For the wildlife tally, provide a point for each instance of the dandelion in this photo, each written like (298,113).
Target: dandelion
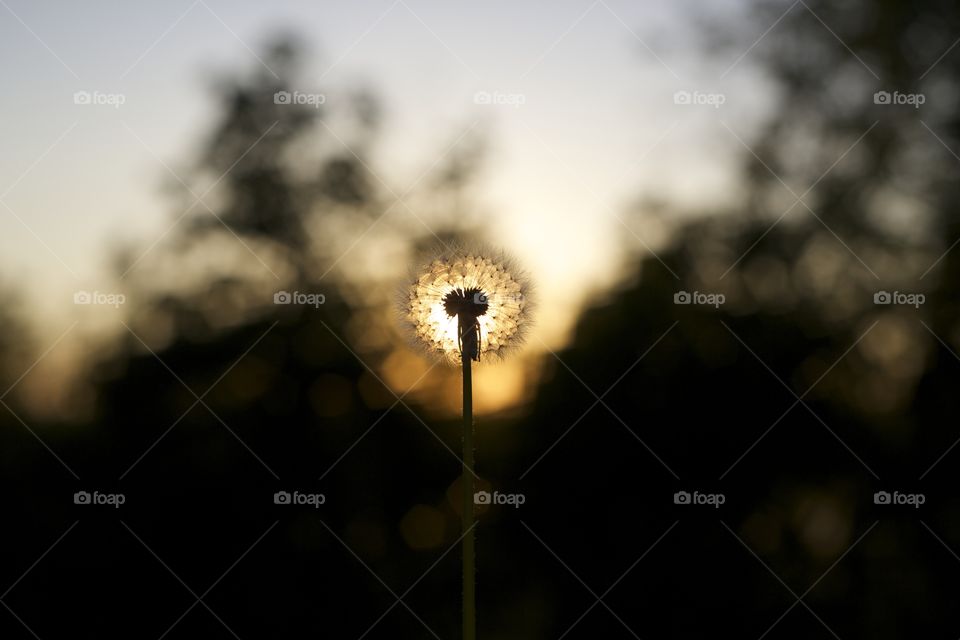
(473,302)
(467,305)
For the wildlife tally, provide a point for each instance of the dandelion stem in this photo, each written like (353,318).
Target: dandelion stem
(469,568)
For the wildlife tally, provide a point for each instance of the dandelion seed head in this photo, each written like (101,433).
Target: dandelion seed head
(474,282)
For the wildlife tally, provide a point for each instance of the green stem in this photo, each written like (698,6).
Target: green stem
(469,568)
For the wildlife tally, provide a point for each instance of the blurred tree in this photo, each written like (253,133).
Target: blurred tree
(217,397)
(713,405)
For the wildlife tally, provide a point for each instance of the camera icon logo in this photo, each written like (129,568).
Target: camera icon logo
(81,497)
(681,97)
(482,97)
(81,297)
(281,497)
(81,97)
(681,497)
(281,97)
(480,298)
(882,297)
(282,297)
(881,497)
(682,297)
(481,497)
(881,97)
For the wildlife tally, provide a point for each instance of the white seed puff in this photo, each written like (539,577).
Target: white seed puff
(505,287)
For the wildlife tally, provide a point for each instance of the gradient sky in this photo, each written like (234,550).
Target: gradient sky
(598,128)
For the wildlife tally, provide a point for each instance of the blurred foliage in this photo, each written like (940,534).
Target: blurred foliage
(799,398)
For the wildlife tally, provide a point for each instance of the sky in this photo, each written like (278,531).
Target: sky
(582,120)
